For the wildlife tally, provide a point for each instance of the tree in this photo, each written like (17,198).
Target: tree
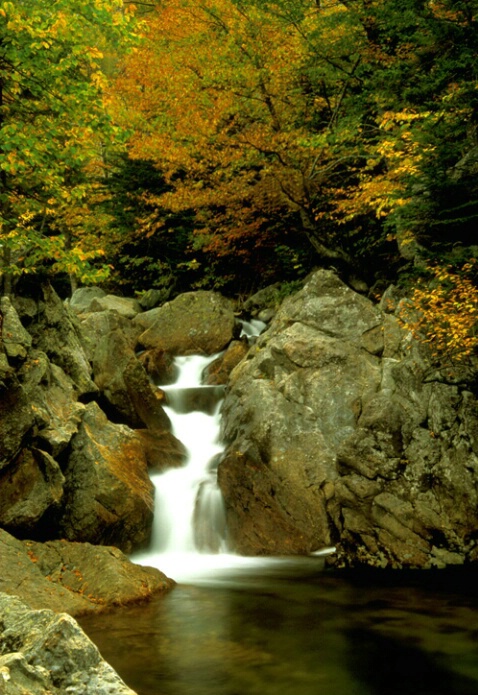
(442,312)
(242,106)
(54,131)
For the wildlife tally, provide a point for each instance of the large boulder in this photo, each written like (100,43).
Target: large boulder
(44,653)
(125,385)
(15,339)
(193,323)
(108,494)
(82,298)
(334,437)
(30,487)
(124,306)
(78,578)
(56,331)
(38,400)
(96,326)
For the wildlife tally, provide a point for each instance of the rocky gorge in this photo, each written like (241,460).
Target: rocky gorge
(334,435)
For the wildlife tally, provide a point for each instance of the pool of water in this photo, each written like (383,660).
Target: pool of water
(294,628)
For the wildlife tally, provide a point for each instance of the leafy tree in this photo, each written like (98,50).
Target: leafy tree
(421,71)
(242,106)
(442,312)
(55,131)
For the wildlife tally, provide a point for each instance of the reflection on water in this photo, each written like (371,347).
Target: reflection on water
(290,628)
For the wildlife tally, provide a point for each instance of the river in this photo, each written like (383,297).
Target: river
(278,626)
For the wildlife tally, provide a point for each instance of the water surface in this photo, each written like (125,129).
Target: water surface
(291,628)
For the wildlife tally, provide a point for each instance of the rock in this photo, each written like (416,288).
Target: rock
(124,384)
(159,365)
(44,653)
(56,332)
(38,408)
(162,450)
(98,325)
(219,370)
(78,578)
(15,339)
(108,494)
(82,298)
(193,323)
(145,398)
(334,437)
(153,298)
(264,300)
(17,418)
(52,396)
(29,487)
(124,306)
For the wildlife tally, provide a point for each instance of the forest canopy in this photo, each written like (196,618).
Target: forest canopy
(54,131)
(228,144)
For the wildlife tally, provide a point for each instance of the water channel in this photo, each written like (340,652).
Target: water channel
(277,626)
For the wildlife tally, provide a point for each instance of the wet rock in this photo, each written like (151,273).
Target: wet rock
(159,365)
(219,370)
(193,323)
(162,450)
(108,494)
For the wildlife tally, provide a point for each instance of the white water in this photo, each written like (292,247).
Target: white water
(188,541)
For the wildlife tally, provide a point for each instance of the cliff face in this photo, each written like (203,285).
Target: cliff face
(333,434)
(335,438)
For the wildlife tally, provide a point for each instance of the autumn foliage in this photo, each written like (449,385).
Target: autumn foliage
(443,314)
(231,143)
(54,131)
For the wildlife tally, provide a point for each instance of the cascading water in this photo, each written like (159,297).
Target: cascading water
(189,524)
(189,508)
(188,542)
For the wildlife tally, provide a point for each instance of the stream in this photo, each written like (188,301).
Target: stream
(276,626)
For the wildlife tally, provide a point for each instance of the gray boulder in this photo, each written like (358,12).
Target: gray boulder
(193,323)
(96,326)
(334,437)
(15,339)
(44,653)
(108,494)
(29,488)
(81,299)
(124,306)
(78,578)
(55,330)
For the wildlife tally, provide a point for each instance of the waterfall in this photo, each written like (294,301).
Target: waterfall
(189,519)
(189,539)
(189,513)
